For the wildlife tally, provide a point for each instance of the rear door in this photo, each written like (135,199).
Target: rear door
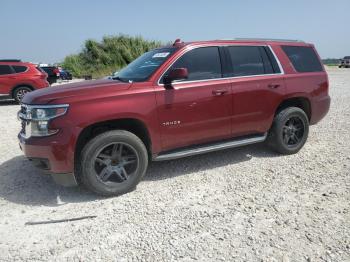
(257,86)
(7,80)
(198,109)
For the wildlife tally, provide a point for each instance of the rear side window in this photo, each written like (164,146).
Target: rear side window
(5,70)
(303,58)
(246,60)
(19,69)
(201,63)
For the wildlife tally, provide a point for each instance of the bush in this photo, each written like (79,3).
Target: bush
(111,54)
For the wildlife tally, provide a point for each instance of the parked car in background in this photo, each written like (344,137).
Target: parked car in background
(18,78)
(53,73)
(345,62)
(111,76)
(65,74)
(175,101)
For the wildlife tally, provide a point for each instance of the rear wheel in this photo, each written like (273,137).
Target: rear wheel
(113,163)
(289,131)
(19,93)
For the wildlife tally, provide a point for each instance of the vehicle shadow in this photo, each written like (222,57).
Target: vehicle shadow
(7,101)
(22,183)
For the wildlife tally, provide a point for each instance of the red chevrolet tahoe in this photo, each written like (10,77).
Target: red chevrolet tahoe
(172,102)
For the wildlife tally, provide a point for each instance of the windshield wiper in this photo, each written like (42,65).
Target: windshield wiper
(120,79)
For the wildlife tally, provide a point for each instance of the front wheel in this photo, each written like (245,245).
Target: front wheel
(19,93)
(289,131)
(113,163)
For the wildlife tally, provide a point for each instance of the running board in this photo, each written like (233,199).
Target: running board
(201,149)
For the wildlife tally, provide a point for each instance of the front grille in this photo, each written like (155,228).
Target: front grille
(23,127)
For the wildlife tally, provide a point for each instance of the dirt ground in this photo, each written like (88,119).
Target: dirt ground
(246,204)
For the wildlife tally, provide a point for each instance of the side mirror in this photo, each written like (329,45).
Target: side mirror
(176,74)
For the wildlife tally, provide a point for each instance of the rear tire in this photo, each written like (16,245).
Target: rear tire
(289,131)
(113,163)
(19,93)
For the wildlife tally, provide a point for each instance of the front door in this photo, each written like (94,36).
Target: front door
(199,109)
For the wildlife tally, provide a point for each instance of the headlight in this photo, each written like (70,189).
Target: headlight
(36,118)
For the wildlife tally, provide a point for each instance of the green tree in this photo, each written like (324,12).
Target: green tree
(111,54)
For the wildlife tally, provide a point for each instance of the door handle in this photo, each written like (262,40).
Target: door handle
(219,92)
(273,86)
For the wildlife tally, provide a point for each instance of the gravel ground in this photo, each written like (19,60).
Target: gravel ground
(246,204)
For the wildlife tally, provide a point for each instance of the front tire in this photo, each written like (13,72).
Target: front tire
(289,131)
(19,93)
(113,163)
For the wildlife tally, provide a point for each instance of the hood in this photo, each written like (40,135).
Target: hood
(92,88)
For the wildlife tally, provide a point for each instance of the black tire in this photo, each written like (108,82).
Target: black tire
(289,131)
(20,91)
(119,182)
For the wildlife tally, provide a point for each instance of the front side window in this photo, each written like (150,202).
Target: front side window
(5,70)
(201,63)
(246,61)
(143,67)
(303,58)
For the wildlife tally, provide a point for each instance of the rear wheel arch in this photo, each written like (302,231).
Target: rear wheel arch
(301,102)
(20,85)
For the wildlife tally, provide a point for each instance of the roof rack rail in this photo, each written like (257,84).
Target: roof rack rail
(10,60)
(269,39)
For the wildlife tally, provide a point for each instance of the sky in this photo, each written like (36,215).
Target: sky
(46,31)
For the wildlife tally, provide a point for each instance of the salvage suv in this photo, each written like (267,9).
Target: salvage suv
(172,102)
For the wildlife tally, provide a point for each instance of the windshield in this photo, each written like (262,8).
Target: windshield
(144,66)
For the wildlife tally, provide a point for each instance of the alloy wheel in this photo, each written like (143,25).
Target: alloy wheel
(116,163)
(293,131)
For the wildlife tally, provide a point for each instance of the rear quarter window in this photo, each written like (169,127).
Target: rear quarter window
(303,58)
(19,69)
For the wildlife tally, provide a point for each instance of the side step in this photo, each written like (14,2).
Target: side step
(201,149)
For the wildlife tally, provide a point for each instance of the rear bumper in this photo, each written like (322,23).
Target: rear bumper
(52,155)
(320,108)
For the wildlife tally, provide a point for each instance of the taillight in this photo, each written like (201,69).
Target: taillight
(56,71)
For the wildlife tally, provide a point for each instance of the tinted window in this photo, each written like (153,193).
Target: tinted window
(49,71)
(201,63)
(5,70)
(19,69)
(246,60)
(303,58)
